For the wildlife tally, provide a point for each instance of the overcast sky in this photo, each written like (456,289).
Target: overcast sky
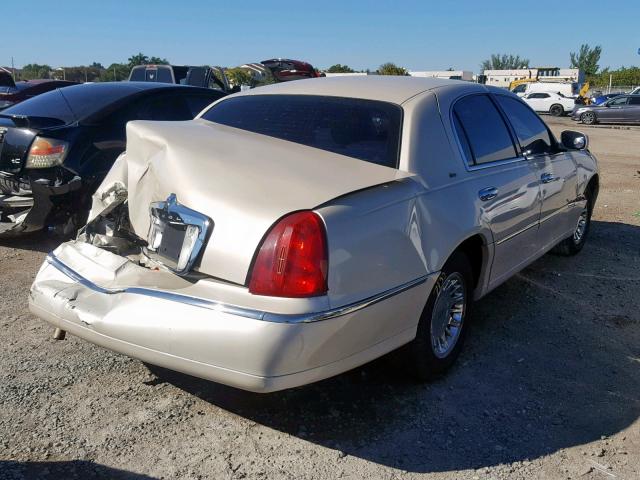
(419,35)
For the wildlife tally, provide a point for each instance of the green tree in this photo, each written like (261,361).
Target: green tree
(97,65)
(81,74)
(586,59)
(142,59)
(115,72)
(158,61)
(338,68)
(34,71)
(138,59)
(238,76)
(392,69)
(504,61)
(624,76)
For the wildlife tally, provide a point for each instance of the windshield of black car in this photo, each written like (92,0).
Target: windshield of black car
(368,130)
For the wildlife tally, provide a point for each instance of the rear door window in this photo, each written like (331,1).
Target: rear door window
(480,125)
(165,75)
(368,130)
(532,133)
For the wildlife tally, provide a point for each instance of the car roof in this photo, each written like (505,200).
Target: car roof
(127,86)
(394,89)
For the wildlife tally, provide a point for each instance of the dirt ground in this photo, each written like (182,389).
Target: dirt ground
(547,387)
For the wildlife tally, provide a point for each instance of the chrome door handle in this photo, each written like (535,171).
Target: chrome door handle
(488,193)
(547,178)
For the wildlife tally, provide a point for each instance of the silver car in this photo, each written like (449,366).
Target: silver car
(296,231)
(619,109)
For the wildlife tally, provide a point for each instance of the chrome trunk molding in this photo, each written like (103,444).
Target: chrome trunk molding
(234,309)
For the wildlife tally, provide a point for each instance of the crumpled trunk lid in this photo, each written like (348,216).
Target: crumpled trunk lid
(244,182)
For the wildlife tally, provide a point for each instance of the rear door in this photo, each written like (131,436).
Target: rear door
(555,168)
(506,183)
(632,110)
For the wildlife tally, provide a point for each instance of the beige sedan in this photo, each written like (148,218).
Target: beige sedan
(296,231)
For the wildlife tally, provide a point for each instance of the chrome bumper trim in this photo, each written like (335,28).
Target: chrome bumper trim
(233,309)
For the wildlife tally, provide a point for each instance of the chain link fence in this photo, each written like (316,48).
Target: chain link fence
(613,89)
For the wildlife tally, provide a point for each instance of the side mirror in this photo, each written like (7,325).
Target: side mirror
(574,140)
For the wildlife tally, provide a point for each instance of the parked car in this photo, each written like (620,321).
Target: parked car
(551,103)
(284,69)
(350,217)
(568,89)
(600,99)
(203,76)
(620,109)
(18,92)
(56,148)
(6,79)
(635,91)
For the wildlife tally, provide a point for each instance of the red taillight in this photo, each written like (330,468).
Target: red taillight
(292,260)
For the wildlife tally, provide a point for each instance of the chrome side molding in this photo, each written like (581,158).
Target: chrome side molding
(234,309)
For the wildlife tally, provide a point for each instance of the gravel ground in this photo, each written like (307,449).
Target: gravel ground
(548,385)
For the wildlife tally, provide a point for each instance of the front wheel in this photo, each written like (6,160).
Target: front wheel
(556,110)
(443,324)
(573,244)
(588,118)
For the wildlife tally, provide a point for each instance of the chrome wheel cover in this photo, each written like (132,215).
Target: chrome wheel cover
(581,227)
(588,117)
(448,314)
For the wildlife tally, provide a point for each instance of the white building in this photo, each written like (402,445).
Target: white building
(449,74)
(502,78)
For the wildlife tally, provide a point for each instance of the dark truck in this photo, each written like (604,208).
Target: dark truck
(204,77)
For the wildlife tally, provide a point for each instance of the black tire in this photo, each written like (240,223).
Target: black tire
(420,357)
(588,118)
(572,244)
(556,110)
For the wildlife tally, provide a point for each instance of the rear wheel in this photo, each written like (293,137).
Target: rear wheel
(556,110)
(443,324)
(588,118)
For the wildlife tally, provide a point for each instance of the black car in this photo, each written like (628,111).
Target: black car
(56,148)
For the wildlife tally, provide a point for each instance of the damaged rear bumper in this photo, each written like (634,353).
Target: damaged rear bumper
(28,205)
(247,348)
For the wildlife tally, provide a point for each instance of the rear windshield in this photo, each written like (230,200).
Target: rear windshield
(368,130)
(71,104)
(46,110)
